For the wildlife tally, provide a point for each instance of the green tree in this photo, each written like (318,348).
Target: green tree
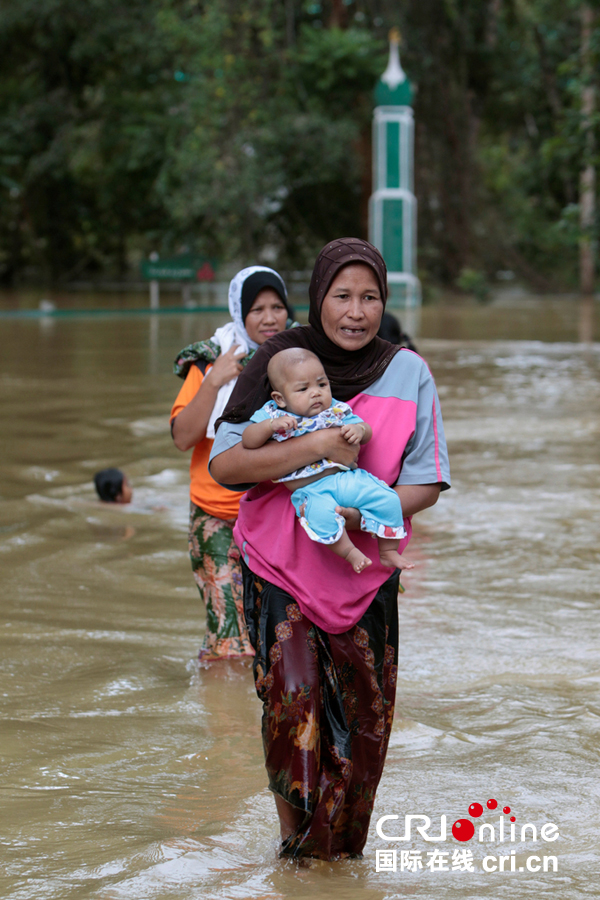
(240,129)
(157,125)
(82,89)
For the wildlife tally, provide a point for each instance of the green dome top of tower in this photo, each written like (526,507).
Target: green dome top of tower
(394,88)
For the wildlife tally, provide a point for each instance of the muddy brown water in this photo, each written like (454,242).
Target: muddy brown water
(127,772)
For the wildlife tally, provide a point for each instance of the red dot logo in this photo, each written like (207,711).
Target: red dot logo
(506,809)
(513,819)
(463,830)
(492,804)
(475,810)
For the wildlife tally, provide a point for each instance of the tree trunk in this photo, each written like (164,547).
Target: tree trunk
(587,178)
(290,23)
(338,14)
(491,28)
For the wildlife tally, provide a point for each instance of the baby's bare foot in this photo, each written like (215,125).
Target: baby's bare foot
(394,559)
(358,560)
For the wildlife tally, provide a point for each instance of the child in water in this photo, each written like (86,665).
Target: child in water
(302,403)
(112,486)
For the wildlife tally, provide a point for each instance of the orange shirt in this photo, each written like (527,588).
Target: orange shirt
(204,491)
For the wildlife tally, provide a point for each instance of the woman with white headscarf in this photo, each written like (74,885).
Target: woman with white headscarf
(259,309)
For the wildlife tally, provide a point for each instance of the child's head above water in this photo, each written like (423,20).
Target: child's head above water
(112,486)
(299,382)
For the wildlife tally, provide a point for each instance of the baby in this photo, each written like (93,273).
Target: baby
(302,403)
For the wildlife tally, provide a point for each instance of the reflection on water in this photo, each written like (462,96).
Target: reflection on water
(127,772)
(526,319)
(513,314)
(586,324)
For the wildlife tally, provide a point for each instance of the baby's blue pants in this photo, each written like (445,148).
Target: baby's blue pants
(379,505)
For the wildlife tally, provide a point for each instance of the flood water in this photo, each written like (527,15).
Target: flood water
(129,773)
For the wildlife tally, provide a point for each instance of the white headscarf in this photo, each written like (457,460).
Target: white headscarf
(235,333)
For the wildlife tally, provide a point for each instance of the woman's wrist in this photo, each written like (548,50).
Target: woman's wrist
(322,443)
(211,380)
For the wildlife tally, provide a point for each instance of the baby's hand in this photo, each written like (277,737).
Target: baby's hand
(282,424)
(353,433)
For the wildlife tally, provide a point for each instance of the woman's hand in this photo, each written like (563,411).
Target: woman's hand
(189,426)
(335,447)
(225,368)
(351,515)
(413,497)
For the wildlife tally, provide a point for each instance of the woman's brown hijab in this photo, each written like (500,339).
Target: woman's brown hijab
(349,371)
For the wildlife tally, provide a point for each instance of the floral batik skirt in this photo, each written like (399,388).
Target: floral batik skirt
(216,566)
(328,705)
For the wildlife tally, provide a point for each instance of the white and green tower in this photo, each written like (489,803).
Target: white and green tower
(393,205)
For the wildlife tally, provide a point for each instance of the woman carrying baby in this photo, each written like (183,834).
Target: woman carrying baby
(302,403)
(326,638)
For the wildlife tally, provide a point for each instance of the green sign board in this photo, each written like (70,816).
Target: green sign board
(178,268)
(393,237)
(393,205)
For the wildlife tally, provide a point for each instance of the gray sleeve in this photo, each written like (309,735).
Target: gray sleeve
(426,455)
(227,437)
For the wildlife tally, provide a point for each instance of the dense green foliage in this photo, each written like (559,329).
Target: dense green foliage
(242,130)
